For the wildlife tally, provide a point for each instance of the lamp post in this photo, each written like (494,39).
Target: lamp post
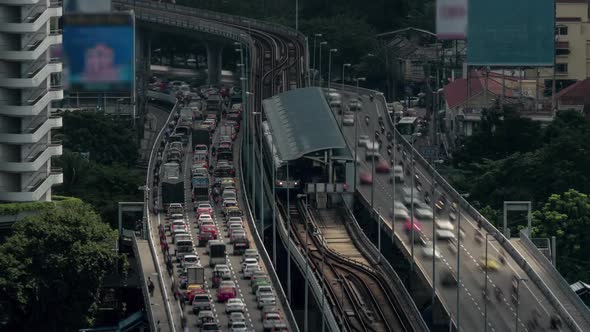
(332,50)
(261,198)
(314,41)
(358,79)
(518,281)
(296,15)
(305,312)
(344,66)
(320,72)
(432,199)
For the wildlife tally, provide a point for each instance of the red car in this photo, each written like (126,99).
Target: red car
(366,178)
(382,167)
(417,225)
(204,208)
(211,229)
(226,291)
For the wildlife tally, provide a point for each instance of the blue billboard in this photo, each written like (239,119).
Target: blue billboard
(511,33)
(100,53)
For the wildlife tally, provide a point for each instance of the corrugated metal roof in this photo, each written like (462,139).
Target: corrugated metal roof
(301,123)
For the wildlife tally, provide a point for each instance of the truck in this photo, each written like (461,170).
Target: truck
(200,187)
(201,134)
(172,184)
(214,105)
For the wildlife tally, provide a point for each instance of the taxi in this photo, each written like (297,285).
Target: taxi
(226,291)
(193,290)
(490,265)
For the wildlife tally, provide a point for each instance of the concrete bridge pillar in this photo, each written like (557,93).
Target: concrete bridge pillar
(214,51)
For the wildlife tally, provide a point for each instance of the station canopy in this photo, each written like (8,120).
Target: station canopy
(301,123)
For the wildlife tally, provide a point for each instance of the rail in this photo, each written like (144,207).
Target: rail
(498,236)
(147,199)
(394,281)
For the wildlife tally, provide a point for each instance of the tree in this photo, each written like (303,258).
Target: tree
(567,217)
(52,266)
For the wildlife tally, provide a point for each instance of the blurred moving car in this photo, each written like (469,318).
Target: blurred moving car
(366,178)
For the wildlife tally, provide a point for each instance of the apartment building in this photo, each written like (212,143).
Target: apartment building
(29,82)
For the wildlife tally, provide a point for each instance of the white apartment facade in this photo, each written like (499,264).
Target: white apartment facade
(29,82)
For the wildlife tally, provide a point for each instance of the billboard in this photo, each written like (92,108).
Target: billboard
(86,6)
(451,19)
(99,52)
(511,33)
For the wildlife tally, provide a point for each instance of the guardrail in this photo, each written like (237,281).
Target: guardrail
(403,296)
(262,250)
(147,204)
(498,236)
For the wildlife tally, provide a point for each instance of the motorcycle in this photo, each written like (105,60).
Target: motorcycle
(367,120)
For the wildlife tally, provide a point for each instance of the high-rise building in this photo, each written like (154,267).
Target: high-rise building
(29,81)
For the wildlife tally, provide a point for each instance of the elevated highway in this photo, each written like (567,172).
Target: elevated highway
(539,293)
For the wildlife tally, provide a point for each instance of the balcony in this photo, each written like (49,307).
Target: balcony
(34,51)
(35,192)
(34,105)
(34,163)
(35,79)
(38,21)
(32,135)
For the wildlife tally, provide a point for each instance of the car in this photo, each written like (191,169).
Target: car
(372,155)
(189,259)
(250,269)
(258,275)
(234,305)
(205,316)
(452,216)
(492,264)
(363,140)
(234,227)
(235,219)
(348,119)
(201,148)
(204,217)
(372,146)
(366,178)
(247,261)
(237,234)
(204,208)
(266,299)
(236,317)
(251,253)
(449,279)
(428,250)
(425,214)
(417,225)
(178,223)
(226,291)
(271,320)
(444,224)
(444,234)
(200,301)
(210,327)
(259,283)
(398,174)
(399,214)
(224,270)
(382,167)
(263,290)
(209,227)
(238,327)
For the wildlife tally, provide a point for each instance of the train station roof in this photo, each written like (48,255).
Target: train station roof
(302,122)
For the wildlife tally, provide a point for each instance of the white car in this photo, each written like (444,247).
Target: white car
(263,290)
(235,317)
(234,227)
(204,217)
(179,223)
(238,327)
(235,219)
(249,270)
(398,173)
(237,234)
(399,214)
(428,250)
(234,305)
(189,259)
(364,140)
(247,261)
(224,269)
(445,234)
(251,253)
(444,225)
(266,300)
(424,214)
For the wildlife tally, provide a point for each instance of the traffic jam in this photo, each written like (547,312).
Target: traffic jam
(216,276)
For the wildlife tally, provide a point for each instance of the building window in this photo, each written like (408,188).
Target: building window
(561,31)
(562,51)
(561,67)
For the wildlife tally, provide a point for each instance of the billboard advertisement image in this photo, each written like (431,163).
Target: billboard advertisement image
(511,33)
(99,52)
(451,19)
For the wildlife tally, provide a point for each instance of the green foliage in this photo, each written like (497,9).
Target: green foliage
(7,209)
(101,186)
(51,268)
(492,215)
(108,139)
(567,217)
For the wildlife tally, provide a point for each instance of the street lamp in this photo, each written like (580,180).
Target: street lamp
(320,72)
(518,281)
(344,66)
(358,79)
(251,147)
(261,198)
(332,50)
(314,41)
(305,312)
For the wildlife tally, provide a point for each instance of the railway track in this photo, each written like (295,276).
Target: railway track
(361,295)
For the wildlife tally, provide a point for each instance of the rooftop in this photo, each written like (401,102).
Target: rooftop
(301,123)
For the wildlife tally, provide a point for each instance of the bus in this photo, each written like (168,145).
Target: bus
(270,153)
(407,126)
(216,250)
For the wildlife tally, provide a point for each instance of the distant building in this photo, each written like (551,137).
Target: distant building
(576,97)
(465,99)
(29,82)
